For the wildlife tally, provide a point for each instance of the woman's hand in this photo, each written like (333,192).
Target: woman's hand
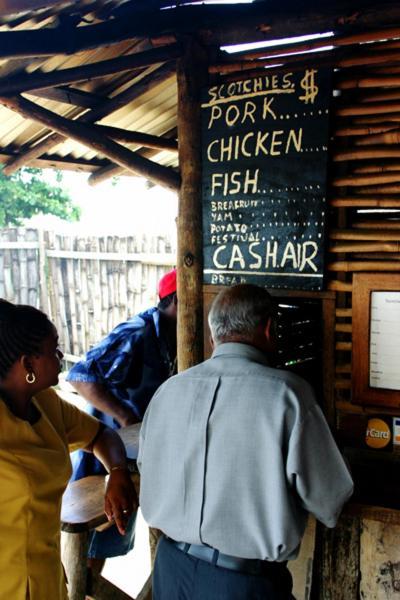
(120,498)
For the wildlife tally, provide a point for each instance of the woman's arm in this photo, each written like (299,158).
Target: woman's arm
(120,497)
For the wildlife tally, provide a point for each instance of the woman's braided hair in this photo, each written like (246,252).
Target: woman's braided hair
(23,328)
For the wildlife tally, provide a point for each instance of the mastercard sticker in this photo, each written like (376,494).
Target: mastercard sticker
(378,434)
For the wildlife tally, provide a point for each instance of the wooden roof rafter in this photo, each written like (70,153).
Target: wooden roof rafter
(92,138)
(106,108)
(35,81)
(293,47)
(70,95)
(215,24)
(373,47)
(112,170)
(14,10)
(94,96)
(69,36)
(137,137)
(47,161)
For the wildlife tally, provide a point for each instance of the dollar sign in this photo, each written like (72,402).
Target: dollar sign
(309,86)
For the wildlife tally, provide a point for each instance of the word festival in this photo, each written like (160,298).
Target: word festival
(264,161)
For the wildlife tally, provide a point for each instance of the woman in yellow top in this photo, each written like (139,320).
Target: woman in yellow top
(37,432)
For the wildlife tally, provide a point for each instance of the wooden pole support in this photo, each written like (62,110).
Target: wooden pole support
(192,75)
(74,558)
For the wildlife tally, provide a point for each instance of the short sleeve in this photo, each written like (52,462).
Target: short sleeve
(317,469)
(84,370)
(80,428)
(111,360)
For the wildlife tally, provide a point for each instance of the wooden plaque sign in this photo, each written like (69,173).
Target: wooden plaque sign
(264,145)
(376,339)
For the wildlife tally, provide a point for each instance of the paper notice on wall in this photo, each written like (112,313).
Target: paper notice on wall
(384,365)
(396,432)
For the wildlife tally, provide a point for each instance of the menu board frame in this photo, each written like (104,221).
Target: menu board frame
(363,286)
(265,144)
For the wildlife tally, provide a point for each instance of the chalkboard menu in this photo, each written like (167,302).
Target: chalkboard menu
(264,153)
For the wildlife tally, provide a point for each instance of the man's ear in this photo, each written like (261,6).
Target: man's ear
(268,331)
(212,343)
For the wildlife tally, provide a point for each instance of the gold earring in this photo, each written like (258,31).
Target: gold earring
(30,378)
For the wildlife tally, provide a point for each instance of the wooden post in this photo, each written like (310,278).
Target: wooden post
(44,301)
(191,74)
(74,556)
(339,560)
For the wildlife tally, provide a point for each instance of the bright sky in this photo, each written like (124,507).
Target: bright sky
(125,207)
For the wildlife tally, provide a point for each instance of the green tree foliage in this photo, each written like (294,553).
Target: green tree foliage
(26,194)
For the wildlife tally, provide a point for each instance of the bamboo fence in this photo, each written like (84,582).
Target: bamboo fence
(87,285)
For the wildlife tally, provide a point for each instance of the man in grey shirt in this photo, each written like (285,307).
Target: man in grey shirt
(233,456)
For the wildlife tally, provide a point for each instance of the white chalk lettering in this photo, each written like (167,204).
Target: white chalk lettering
(257,264)
(296,141)
(289,255)
(275,143)
(233,204)
(267,108)
(232,115)
(234,183)
(236,257)
(308,260)
(215,258)
(271,254)
(254,144)
(215,114)
(249,110)
(251,254)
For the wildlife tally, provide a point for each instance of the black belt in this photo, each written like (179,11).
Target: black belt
(252,566)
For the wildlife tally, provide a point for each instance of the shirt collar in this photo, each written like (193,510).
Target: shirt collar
(240,350)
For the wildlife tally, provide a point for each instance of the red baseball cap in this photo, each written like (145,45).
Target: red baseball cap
(167,284)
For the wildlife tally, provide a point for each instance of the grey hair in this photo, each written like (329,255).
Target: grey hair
(238,311)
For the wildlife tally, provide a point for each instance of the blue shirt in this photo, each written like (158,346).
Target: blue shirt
(131,362)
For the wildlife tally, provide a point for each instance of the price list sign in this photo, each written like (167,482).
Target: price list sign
(264,157)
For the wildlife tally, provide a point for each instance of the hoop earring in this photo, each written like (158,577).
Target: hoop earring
(30,378)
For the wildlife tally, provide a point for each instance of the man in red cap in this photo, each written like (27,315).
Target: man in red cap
(167,284)
(118,378)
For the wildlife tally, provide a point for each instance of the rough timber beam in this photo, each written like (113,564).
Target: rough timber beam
(112,170)
(137,137)
(35,81)
(59,162)
(109,105)
(69,95)
(67,38)
(87,135)
(216,25)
